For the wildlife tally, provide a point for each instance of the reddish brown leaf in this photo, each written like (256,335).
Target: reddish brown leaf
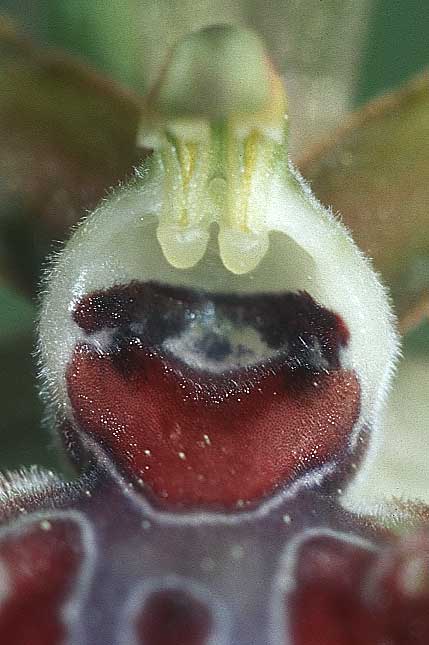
(66,136)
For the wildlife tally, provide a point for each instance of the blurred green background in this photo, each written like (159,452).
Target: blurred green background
(396,39)
(335,55)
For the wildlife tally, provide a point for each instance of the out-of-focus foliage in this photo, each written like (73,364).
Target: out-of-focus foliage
(397,46)
(66,135)
(317,45)
(21,408)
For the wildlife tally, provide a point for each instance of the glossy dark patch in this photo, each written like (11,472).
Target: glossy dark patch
(153,313)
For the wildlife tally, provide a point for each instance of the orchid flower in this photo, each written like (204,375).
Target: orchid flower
(206,345)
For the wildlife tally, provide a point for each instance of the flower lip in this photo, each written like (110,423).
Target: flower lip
(210,398)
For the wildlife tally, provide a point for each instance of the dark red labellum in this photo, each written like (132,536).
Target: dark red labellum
(211,399)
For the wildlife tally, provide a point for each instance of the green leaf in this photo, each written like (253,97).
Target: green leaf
(22,439)
(16,315)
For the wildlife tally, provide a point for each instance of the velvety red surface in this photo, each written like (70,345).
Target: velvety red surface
(348,595)
(195,441)
(165,389)
(38,567)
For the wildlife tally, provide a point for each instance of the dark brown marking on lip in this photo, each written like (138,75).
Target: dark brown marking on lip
(162,312)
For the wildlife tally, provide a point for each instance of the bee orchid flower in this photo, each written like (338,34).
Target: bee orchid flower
(206,343)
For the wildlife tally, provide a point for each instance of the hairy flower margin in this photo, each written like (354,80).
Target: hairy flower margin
(207,346)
